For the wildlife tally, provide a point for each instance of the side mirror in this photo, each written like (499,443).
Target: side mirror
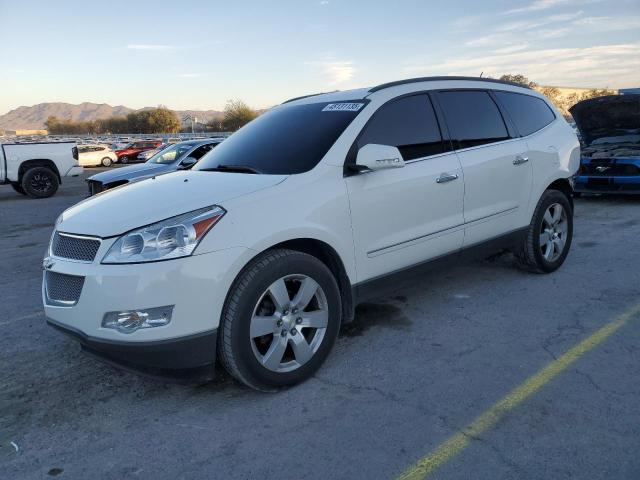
(187,163)
(377,157)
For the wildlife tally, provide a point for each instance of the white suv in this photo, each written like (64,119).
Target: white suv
(259,254)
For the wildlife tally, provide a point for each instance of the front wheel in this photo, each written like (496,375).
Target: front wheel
(549,235)
(106,162)
(124,159)
(280,320)
(40,182)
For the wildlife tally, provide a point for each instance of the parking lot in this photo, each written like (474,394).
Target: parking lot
(413,371)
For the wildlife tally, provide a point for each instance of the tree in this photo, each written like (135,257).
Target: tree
(236,115)
(52,124)
(564,102)
(163,120)
(518,78)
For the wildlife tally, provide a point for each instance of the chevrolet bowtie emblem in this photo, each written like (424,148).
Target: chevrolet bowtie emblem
(48,263)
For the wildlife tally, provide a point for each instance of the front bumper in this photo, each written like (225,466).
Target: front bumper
(196,286)
(605,184)
(184,358)
(609,175)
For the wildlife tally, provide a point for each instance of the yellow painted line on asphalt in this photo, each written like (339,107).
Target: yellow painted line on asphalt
(23,317)
(487,420)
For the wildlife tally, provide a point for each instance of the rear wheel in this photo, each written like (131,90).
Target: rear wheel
(550,233)
(280,320)
(106,162)
(18,188)
(40,182)
(124,159)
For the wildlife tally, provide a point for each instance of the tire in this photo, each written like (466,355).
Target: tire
(106,162)
(547,245)
(292,349)
(18,188)
(124,159)
(40,182)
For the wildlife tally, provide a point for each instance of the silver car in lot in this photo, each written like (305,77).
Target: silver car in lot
(179,156)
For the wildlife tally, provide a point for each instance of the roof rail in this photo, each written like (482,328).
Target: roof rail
(307,96)
(434,79)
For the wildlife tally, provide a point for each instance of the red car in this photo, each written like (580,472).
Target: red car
(131,151)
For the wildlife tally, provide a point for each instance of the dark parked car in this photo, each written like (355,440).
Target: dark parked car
(610,131)
(131,151)
(179,156)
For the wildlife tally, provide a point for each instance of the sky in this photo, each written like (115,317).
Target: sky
(200,54)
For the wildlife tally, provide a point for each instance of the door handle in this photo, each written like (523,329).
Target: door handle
(520,160)
(446,177)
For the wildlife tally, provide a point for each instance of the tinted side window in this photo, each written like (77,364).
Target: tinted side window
(530,114)
(200,151)
(473,118)
(409,124)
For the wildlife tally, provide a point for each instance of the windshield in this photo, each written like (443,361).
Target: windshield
(170,154)
(286,140)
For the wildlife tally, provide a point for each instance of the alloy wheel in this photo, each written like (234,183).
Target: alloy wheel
(553,233)
(289,323)
(41,182)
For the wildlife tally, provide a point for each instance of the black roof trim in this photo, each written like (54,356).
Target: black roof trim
(307,96)
(434,79)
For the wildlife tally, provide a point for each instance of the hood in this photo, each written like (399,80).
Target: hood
(125,208)
(610,116)
(132,172)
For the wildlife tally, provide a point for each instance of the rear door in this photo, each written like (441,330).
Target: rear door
(497,173)
(404,216)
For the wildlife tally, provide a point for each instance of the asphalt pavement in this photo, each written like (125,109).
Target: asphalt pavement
(414,370)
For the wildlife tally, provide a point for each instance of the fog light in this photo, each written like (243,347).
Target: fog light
(128,321)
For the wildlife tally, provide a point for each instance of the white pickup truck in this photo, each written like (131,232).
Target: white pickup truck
(36,169)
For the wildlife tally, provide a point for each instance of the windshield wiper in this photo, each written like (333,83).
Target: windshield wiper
(231,169)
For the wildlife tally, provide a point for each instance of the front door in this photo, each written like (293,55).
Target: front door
(404,216)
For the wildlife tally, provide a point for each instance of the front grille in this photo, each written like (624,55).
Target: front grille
(610,169)
(95,187)
(62,289)
(74,247)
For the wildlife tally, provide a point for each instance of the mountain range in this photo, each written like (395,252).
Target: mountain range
(34,117)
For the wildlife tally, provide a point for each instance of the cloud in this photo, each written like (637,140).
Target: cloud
(612,66)
(143,46)
(511,48)
(189,75)
(538,5)
(506,35)
(324,2)
(336,71)
(608,24)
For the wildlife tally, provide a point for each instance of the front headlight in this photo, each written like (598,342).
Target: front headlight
(172,238)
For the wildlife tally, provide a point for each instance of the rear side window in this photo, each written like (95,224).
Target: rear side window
(530,114)
(473,118)
(409,124)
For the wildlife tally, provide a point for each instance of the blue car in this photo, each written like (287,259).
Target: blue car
(610,131)
(179,156)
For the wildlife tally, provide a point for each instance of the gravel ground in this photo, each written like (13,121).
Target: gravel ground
(413,370)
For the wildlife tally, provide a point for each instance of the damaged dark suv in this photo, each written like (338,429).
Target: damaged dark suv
(610,129)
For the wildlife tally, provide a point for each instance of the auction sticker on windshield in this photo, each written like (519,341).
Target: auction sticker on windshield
(343,107)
